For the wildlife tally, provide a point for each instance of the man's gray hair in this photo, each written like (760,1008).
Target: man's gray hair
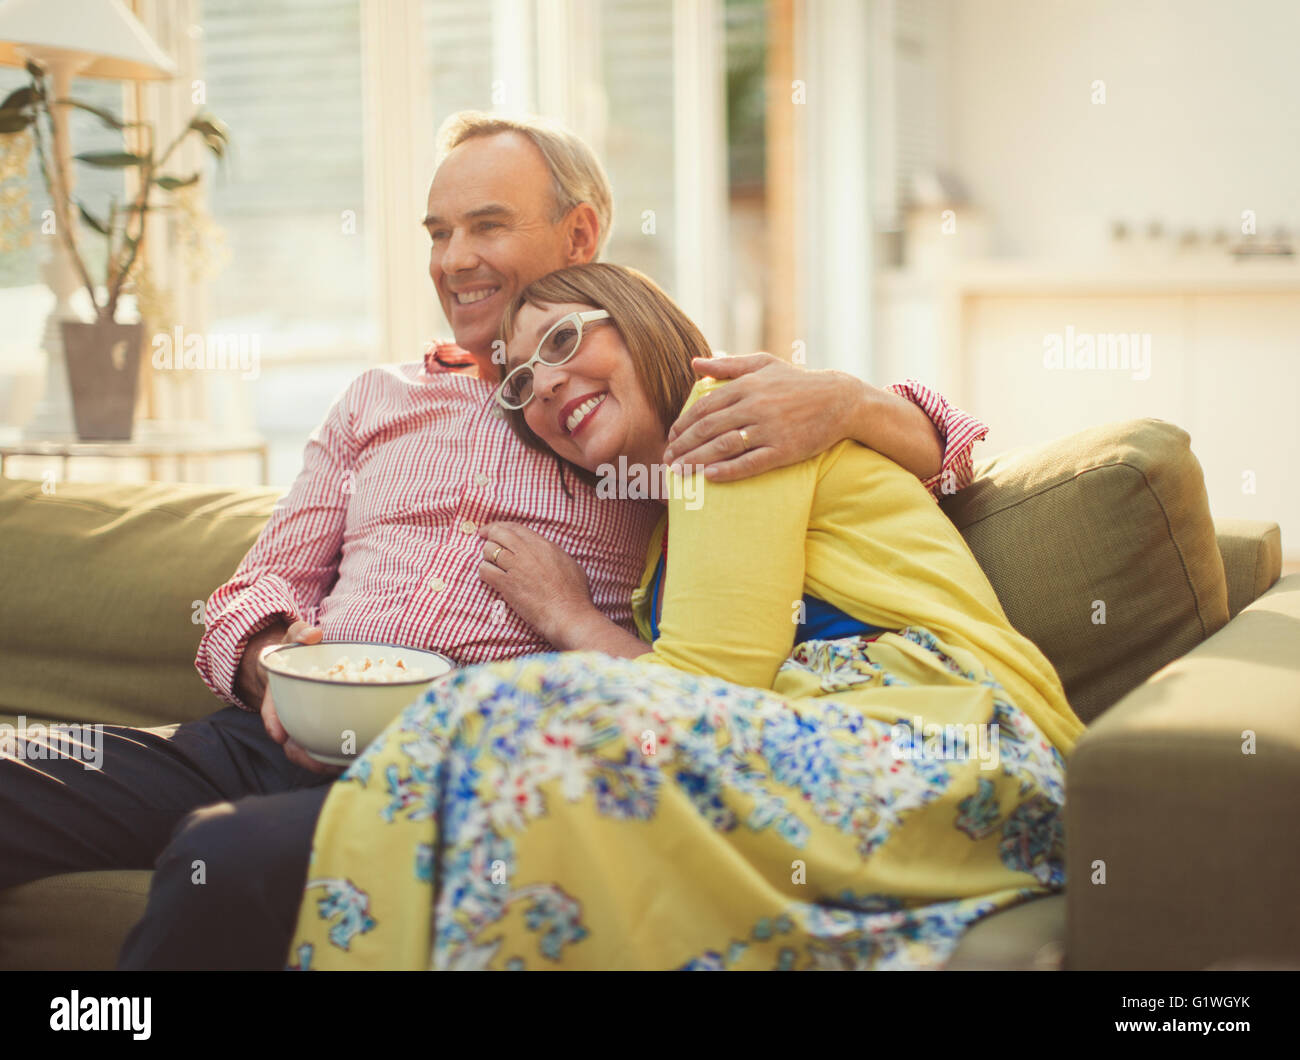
(577,175)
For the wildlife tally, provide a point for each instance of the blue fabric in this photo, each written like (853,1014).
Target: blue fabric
(822,621)
(656,591)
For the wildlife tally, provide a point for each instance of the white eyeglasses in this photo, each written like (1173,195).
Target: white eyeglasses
(558,345)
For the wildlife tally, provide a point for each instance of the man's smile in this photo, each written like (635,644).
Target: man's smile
(474,295)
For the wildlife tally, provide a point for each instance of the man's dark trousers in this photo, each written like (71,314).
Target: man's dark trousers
(214,806)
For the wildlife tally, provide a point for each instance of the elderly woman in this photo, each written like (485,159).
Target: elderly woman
(827,748)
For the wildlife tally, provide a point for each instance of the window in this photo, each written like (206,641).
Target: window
(636,91)
(285,77)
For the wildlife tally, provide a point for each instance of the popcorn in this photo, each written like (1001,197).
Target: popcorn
(366,671)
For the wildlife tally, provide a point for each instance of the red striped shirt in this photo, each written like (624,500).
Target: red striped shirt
(960,432)
(377,538)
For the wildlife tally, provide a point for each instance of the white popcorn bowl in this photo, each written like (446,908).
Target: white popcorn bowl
(319,713)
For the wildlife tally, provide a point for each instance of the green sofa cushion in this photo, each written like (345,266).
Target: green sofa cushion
(1252,558)
(100,585)
(1117,514)
(1184,790)
(75,921)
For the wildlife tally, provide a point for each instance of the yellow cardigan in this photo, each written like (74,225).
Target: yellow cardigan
(852,528)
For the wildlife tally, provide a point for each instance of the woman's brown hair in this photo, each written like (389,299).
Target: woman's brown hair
(660,338)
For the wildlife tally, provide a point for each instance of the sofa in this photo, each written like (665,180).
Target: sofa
(1176,640)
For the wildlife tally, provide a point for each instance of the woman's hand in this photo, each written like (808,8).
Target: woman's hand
(538,580)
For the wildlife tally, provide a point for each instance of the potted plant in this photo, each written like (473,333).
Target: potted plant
(103,356)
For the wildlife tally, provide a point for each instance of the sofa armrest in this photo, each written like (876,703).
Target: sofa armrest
(1252,558)
(1195,829)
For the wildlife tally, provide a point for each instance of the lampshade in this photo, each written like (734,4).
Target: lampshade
(100,38)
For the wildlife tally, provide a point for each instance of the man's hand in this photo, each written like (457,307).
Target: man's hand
(250,679)
(788,414)
(298,633)
(791,414)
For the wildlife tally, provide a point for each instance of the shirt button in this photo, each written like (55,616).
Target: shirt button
(467,527)
(437,584)
(481,479)
(498,412)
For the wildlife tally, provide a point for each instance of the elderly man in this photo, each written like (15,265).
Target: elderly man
(377,540)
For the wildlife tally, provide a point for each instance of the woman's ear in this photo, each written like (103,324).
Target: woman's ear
(583,234)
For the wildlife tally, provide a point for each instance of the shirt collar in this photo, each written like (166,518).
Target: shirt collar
(441,358)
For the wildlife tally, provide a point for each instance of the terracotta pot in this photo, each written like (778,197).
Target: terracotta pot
(103,371)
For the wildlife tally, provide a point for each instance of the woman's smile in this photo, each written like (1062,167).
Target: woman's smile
(575,415)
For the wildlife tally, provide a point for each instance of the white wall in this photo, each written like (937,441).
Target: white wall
(1224,367)
(1201,119)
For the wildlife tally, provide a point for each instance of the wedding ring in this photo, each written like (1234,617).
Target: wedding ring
(744,439)
(496,554)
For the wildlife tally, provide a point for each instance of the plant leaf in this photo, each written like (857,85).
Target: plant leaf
(107,117)
(172,183)
(216,145)
(111,159)
(18,98)
(216,136)
(209,127)
(12,121)
(92,220)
